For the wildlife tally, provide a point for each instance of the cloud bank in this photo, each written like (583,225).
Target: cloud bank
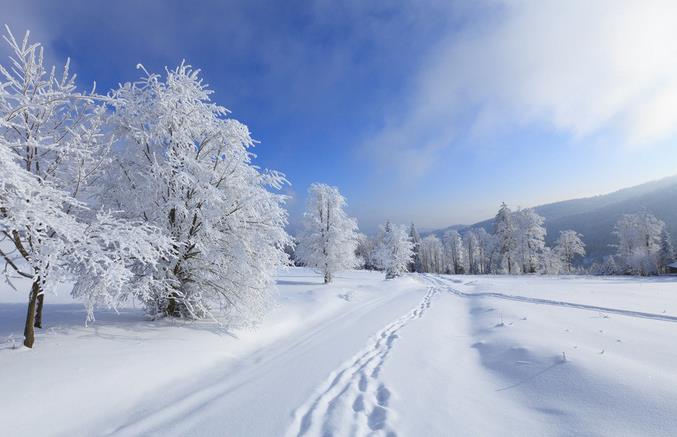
(578,68)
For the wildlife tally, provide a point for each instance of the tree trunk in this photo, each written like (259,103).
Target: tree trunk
(29,333)
(38,309)
(327,277)
(171,305)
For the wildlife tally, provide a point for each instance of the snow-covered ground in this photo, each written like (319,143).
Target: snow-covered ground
(419,355)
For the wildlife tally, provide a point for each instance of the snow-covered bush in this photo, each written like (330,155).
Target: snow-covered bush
(329,237)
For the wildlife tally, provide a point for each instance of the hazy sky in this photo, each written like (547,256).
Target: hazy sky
(423,110)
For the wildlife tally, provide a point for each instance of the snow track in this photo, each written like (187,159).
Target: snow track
(629,313)
(354,396)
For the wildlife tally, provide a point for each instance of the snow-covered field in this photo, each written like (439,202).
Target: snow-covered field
(419,355)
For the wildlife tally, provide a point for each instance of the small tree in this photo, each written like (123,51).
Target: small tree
(329,237)
(394,251)
(568,246)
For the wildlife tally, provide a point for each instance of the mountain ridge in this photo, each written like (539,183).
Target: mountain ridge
(595,216)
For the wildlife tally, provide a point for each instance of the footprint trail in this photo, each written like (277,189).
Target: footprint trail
(354,400)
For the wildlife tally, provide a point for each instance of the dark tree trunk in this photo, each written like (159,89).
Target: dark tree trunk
(327,277)
(171,305)
(29,333)
(38,310)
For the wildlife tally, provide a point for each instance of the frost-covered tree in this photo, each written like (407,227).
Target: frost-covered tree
(568,246)
(329,237)
(666,253)
(454,252)
(506,234)
(184,166)
(486,248)
(394,251)
(432,255)
(415,265)
(471,244)
(530,236)
(365,252)
(639,242)
(53,144)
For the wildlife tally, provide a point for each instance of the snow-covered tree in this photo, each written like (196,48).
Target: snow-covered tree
(329,237)
(395,250)
(551,262)
(53,144)
(432,255)
(530,236)
(184,166)
(365,251)
(486,248)
(454,252)
(471,244)
(639,243)
(666,253)
(415,265)
(568,246)
(506,234)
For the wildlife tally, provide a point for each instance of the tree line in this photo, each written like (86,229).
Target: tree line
(331,241)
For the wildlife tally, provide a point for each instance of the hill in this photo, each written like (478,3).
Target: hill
(594,217)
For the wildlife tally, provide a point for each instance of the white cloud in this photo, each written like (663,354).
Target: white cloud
(579,67)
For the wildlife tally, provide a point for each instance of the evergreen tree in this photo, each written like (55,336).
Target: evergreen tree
(666,253)
(415,265)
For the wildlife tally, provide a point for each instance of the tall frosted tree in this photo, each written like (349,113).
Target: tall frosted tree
(183,165)
(415,265)
(666,253)
(53,145)
(472,251)
(505,232)
(530,238)
(486,248)
(395,250)
(454,252)
(432,255)
(569,245)
(329,237)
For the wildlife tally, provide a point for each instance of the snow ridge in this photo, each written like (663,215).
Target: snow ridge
(354,400)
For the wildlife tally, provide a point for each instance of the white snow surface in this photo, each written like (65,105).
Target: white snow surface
(427,355)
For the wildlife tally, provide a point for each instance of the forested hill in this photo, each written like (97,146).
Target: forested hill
(594,217)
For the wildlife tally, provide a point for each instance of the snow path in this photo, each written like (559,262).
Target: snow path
(639,314)
(355,391)
(231,398)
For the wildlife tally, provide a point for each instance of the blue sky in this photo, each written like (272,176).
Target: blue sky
(431,111)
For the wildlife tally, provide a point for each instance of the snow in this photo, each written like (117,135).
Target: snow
(419,355)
